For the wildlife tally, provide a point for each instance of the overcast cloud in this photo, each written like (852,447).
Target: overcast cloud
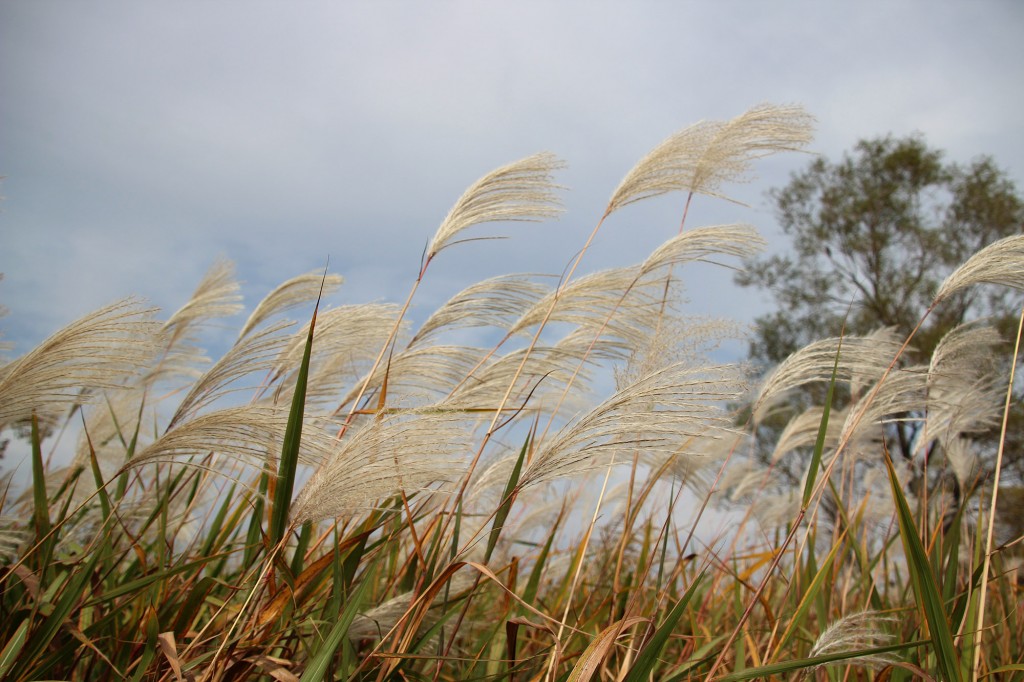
(141,140)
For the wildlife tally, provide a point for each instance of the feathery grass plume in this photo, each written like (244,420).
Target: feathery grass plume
(745,479)
(904,391)
(698,470)
(429,372)
(861,356)
(1000,263)
(544,372)
(495,302)
(291,294)
(404,451)
(519,191)
(964,384)
(701,158)
(959,408)
(378,621)
(215,296)
(247,433)
(863,630)
(108,428)
(258,352)
(741,241)
(965,351)
(662,413)
(13,535)
(962,455)
(98,352)
(595,301)
(802,431)
(345,341)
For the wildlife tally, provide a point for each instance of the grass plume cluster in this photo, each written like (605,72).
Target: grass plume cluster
(355,496)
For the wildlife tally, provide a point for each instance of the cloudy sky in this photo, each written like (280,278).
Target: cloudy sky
(139,141)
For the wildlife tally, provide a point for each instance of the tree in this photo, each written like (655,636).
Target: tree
(872,237)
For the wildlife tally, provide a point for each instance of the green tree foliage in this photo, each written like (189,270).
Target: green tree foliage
(872,236)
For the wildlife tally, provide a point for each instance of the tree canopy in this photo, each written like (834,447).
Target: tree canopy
(872,237)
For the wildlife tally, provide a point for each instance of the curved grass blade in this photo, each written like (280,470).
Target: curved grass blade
(764,671)
(317,668)
(292,437)
(507,498)
(924,584)
(648,657)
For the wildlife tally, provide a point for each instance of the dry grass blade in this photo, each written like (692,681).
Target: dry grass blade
(1001,263)
(702,157)
(293,293)
(97,352)
(520,191)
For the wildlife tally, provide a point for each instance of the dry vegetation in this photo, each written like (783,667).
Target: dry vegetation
(358,498)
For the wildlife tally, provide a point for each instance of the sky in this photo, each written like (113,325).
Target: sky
(141,141)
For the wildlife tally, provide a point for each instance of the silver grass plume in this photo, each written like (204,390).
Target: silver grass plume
(964,391)
(108,429)
(291,294)
(545,371)
(248,433)
(962,456)
(863,630)
(215,296)
(1000,263)
(401,451)
(802,431)
(345,339)
(100,351)
(741,241)
(702,157)
(904,391)
(255,353)
(595,300)
(860,356)
(660,414)
(378,621)
(431,371)
(494,302)
(520,191)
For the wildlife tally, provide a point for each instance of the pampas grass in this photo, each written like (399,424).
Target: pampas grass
(580,497)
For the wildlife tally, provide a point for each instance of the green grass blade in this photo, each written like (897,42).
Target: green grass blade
(809,596)
(41,514)
(648,657)
(321,660)
(290,449)
(819,443)
(13,647)
(764,671)
(507,498)
(924,584)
